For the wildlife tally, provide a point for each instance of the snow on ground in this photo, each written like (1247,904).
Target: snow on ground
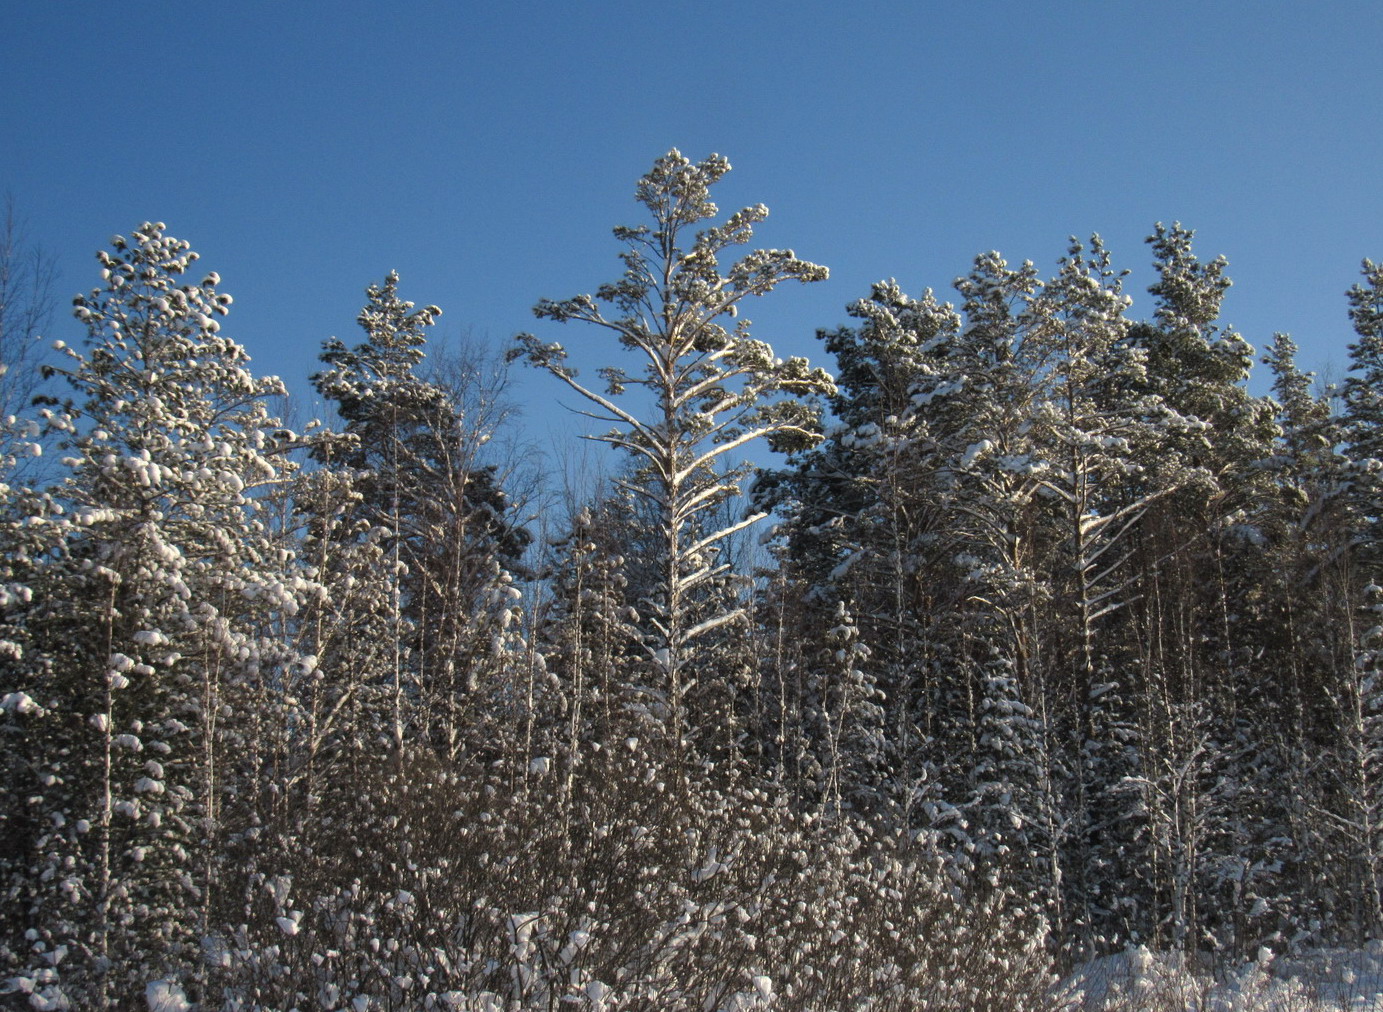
(1136,980)
(1324,979)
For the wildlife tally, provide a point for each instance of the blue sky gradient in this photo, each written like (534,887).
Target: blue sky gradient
(485,150)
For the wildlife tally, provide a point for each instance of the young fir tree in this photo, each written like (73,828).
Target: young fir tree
(713,390)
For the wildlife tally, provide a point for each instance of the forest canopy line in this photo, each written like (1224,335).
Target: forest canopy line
(1065,642)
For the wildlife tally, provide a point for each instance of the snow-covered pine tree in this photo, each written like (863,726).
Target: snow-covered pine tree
(411,688)
(862,519)
(1194,550)
(448,542)
(1096,432)
(1363,407)
(713,389)
(1297,626)
(896,511)
(1339,840)
(149,628)
(846,495)
(972,415)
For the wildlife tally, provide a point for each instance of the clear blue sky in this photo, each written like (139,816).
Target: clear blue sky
(485,149)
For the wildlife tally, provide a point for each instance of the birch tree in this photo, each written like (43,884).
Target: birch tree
(27,274)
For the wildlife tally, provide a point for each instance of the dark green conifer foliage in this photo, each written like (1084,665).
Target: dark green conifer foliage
(447,540)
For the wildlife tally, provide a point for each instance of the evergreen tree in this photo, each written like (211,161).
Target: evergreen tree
(1192,554)
(1363,404)
(156,587)
(447,541)
(714,390)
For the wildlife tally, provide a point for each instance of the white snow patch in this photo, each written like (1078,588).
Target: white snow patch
(19,702)
(1310,982)
(973,452)
(166,996)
